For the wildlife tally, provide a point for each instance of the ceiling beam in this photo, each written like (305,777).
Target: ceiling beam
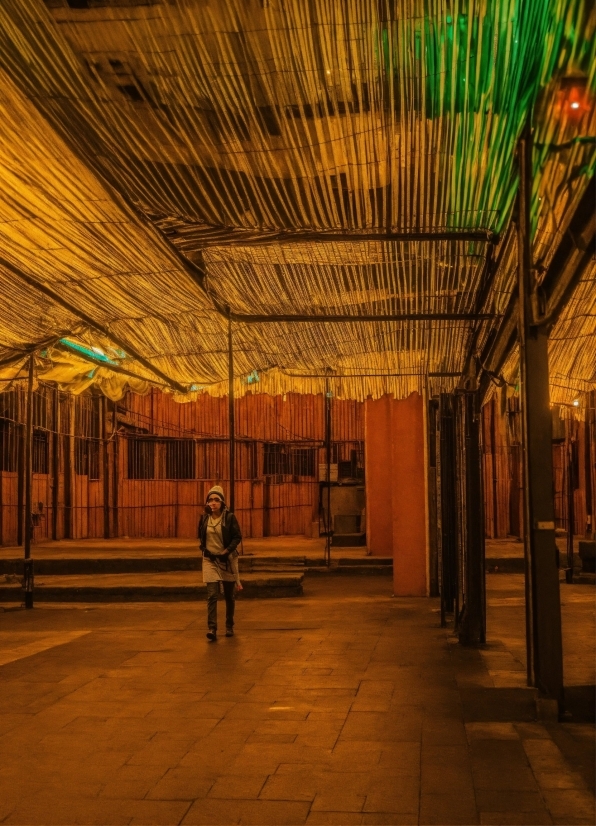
(367,375)
(348,236)
(343,318)
(571,258)
(487,279)
(573,255)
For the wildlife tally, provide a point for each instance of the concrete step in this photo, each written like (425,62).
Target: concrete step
(169,586)
(348,540)
(336,569)
(366,560)
(81,566)
(85,566)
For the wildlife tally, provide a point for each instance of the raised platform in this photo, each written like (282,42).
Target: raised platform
(169,570)
(161,587)
(506,556)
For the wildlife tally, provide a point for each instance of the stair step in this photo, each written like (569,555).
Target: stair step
(352,570)
(171,586)
(348,540)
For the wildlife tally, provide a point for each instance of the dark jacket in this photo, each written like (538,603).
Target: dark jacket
(230,532)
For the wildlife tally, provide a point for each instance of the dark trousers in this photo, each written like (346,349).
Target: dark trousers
(229,594)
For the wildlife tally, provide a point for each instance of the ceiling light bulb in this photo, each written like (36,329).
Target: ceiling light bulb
(576,403)
(575,105)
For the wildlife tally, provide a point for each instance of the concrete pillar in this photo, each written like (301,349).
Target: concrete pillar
(408,497)
(396,489)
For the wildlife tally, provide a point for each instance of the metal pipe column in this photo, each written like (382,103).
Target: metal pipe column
(472,629)
(28,470)
(543,607)
(231,417)
(328,466)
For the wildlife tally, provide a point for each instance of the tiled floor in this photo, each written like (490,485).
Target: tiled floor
(345,706)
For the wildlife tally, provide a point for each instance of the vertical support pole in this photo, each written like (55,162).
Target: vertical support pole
(588,470)
(21,431)
(28,481)
(495,479)
(448,570)
(69,452)
(328,528)
(433,499)
(56,464)
(473,623)
(570,503)
(115,475)
(6,446)
(231,416)
(105,467)
(543,607)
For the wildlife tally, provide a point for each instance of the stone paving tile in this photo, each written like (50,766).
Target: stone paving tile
(257,812)
(390,792)
(544,756)
(515,819)
(334,818)
(272,738)
(295,785)
(402,726)
(576,803)
(182,783)
(558,780)
(340,800)
(531,731)
(440,730)
(445,770)
(220,753)
(496,801)
(501,765)
(444,809)
(238,786)
(569,820)
(54,810)
(491,731)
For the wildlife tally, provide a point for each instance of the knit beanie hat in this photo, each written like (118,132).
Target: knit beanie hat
(217,490)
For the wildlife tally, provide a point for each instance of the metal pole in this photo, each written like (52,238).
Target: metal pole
(56,464)
(115,474)
(328,463)
(105,467)
(543,608)
(570,507)
(328,471)
(231,417)
(588,471)
(448,492)
(28,470)
(473,624)
(524,273)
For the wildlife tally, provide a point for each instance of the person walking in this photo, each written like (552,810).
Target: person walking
(219,537)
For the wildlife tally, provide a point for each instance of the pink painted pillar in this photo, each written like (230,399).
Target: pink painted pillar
(408,491)
(378,475)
